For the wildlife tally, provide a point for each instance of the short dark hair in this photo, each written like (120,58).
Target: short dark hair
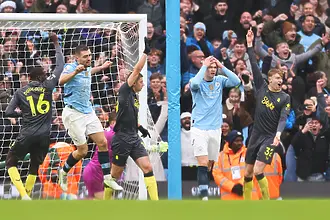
(240,41)
(305,16)
(80,48)
(215,2)
(36,72)
(156,76)
(319,75)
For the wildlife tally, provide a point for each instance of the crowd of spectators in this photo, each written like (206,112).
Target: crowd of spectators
(292,35)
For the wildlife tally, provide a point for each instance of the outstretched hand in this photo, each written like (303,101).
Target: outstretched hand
(53,37)
(146,46)
(249,37)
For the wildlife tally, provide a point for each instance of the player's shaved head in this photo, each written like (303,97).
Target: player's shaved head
(37,74)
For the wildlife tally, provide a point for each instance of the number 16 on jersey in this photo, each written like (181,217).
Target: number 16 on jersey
(43,106)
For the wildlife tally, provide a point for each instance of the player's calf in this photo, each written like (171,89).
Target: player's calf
(248,183)
(32,177)
(202,176)
(72,160)
(262,180)
(103,155)
(149,178)
(11,165)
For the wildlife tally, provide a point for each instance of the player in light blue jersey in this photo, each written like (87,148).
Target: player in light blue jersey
(79,117)
(206,89)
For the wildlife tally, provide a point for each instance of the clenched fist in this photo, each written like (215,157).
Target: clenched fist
(79,69)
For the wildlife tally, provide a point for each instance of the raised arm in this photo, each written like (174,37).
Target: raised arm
(257,77)
(197,80)
(320,111)
(139,66)
(104,66)
(137,70)
(258,43)
(305,56)
(59,56)
(69,72)
(53,80)
(232,79)
(310,53)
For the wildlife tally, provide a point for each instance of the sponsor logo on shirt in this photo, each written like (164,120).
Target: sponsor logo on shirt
(265,101)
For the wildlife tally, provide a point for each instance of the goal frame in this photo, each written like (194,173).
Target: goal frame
(140,18)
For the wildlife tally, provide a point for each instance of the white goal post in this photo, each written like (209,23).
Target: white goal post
(49,22)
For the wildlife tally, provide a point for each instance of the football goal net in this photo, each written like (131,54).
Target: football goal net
(25,44)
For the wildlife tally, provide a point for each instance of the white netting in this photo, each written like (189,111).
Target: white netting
(25,44)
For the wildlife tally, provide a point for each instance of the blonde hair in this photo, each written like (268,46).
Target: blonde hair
(273,72)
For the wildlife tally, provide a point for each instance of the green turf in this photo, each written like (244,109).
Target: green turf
(169,210)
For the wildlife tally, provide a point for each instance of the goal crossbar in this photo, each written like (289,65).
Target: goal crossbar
(71,17)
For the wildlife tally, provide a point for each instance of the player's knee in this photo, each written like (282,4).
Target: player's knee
(11,160)
(102,144)
(258,168)
(82,151)
(146,168)
(248,173)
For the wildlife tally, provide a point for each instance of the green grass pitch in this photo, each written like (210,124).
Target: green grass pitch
(169,210)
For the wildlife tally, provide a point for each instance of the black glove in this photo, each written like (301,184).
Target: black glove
(146,46)
(238,189)
(144,131)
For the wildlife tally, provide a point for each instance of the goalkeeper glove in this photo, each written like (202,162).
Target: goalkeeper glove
(144,132)
(146,46)
(237,189)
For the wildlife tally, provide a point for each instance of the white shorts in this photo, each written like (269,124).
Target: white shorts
(206,142)
(79,125)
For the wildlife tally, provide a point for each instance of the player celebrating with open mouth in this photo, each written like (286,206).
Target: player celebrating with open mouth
(272,109)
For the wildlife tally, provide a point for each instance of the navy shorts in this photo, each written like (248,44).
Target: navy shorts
(124,145)
(37,146)
(260,148)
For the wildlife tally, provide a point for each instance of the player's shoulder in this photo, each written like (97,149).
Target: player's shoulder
(125,87)
(68,67)
(284,95)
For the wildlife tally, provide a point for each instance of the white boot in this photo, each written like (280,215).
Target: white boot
(26,197)
(63,180)
(111,183)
